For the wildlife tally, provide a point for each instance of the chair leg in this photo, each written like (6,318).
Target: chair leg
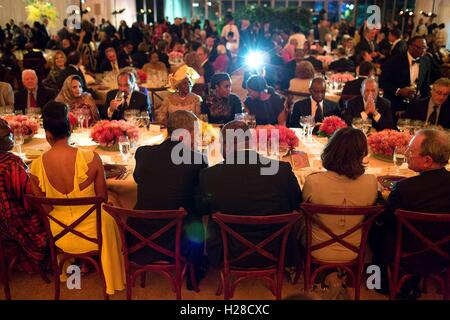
(220,288)
(357,286)
(5,280)
(446,290)
(129,288)
(143,279)
(279,285)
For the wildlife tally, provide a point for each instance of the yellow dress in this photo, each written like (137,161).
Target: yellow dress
(112,259)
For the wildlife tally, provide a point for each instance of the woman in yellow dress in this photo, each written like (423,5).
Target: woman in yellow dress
(76,173)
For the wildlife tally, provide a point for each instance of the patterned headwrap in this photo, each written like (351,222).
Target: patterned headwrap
(182,73)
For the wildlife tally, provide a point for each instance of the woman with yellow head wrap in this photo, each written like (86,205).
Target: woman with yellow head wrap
(181,97)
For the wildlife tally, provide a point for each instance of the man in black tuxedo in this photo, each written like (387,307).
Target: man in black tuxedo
(166,183)
(353,87)
(406,76)
(436,109)
(343,64)
(112,62)
(31,95)
(367,42)
(114,109)
(398,46)
(427,154)
(316,105)
(207,66)
(125,54)
(370,106)
(269,188)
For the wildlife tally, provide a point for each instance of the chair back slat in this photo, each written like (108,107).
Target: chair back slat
(286,221)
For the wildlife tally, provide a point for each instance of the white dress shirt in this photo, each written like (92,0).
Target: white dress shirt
(413,70)
(314,107)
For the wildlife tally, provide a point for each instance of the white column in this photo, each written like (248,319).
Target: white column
(233,5)
(155,10)
(206,9)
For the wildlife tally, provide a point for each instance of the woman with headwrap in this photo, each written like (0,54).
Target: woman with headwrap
(221,105)
(72,94)
(182,98)
(20,225)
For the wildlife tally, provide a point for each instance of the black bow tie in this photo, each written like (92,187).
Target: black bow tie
(415,61)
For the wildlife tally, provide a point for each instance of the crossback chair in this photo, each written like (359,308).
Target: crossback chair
(273,274)
(174,271)
(9,256)
(311,211)
(43,204)
(407,223)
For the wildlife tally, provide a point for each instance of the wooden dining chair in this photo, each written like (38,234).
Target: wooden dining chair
(58,255)
(176,266)
(353,268)
(411,224)
(273,273)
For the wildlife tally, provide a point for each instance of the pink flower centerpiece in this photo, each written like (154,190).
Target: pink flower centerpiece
(383,143)
(142,76)
(22,124)
(288,140)
(330,125)
(73,120)
(342,77)
(106,133)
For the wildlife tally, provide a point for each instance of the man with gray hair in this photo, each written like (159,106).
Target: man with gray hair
(31,95)
(165,184)
(244,184)
(427,154)
(369,106)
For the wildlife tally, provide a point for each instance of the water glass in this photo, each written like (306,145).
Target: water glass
(305,123)
(19,139)
(404,124)
(240,116)
(251,121)
(399,157)
(124,148)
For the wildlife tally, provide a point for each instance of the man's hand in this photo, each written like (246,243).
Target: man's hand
(407,92)
(370,105)
(114,104)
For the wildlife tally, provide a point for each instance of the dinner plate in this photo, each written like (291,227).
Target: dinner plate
(114,170)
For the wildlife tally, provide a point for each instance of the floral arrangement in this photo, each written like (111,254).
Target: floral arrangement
(142,76)
(22,124)
(39,10)
(106,133)
(342,77)
(73,120)
(384,142)
(175,57)
(287,137)
(330,125)
(325,59)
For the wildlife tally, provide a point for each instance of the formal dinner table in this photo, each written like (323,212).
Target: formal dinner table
(123,190)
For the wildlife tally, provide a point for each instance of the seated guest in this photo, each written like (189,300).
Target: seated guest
(370,105)
(31,95)
(154,65)
(264,103)
(161,50)
(329,44)
(6,95)
(132,99)
(182,97)
(125,54)
(140,57)
(435,109)
(427,154)
(353,87)
(76,173)
(222,60)
(223,189)
(206,64)
(112,63)
(59,64)
(304,73)
(175,188)
(315,106)
(343,64)
(343,158)
(73,96)
(221,105)
(73,68)
(19,224)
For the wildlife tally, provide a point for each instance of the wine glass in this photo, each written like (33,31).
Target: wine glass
(9,110)
(120,97)
(311,125)
(124,147)
(304,123)
(19,139)
(240,116)
(399,157)
(251,121)
(365,125)
(404,124)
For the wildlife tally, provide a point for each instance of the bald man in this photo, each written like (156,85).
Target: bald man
(31,95)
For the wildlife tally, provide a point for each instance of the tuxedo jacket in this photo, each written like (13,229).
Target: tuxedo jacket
(356,106)
(342,65)
(400,48)
(106,65)
(164,185)
(428,192)
(222,189)
(138,101)
(303,108)
(418,110)
(43,96)
(353,87)
(395,74)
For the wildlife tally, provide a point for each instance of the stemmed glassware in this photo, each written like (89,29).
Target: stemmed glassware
(19,139)
(361,124)
(251,121)
(399,157)
(307,122)
(124,148)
